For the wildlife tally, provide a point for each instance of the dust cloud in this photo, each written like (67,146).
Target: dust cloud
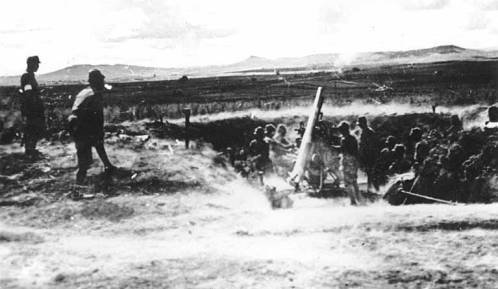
(472,116)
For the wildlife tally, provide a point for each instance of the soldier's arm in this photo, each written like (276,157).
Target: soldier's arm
(283,145)
(76,112)
(251,148)
(82,103)
(26,91)
(253,153)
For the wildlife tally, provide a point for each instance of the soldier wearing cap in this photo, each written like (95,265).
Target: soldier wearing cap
(32,108)
(87,125)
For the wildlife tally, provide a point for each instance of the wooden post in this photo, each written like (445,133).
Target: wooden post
(186,112)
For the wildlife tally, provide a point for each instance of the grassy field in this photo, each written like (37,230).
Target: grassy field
(177,218)
(446,83)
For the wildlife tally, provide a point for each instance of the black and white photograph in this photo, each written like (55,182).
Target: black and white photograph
(248,144)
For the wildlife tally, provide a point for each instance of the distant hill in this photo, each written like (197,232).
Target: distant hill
(439,53)
(124,73)
(115,72)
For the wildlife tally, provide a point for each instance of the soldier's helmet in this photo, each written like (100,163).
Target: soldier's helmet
(259,131)
(391,140)
(33,60)
(343,126)
(416,132)
(269,129)
(400,149)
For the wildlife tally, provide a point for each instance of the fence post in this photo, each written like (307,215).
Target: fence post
(186,112)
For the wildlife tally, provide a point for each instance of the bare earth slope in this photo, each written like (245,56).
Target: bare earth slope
(184,222)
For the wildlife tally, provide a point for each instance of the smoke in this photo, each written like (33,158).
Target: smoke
(277,182)
(345,59)
(472,116)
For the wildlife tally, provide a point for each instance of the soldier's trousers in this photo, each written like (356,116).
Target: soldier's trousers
(349,166)
(34,130)
(84,153)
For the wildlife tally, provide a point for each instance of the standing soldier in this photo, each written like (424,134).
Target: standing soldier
(32,108)
(349,163)
(368,151)
(87,125)
(259,151)
(413,138)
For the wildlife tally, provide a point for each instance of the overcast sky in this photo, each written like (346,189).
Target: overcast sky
(176,33)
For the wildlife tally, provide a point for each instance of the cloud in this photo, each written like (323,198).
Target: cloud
(22,30)
(477,22)
(487,4)
(425,4)
(160,20)
(172,32)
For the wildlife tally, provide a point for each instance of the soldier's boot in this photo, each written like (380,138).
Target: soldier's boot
(81,177)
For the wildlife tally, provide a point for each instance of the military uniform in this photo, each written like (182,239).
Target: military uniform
(349,165)
(260,151)
(33,110)
(369,154)
(87,128)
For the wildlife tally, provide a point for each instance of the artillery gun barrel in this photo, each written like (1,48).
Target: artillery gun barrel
(303,155)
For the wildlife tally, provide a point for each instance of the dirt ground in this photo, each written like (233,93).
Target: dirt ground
(175,219)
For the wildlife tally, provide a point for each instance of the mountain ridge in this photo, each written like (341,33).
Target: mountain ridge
(78,73)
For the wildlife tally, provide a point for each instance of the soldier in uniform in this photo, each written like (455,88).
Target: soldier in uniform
(32,108)
(400,163)
(454,131)
(279,149)
(422,149)
(300,133)
(413,138)
(368,151)
(259,151)
(349,163)
(87,125)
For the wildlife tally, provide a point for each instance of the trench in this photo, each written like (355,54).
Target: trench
(235,131)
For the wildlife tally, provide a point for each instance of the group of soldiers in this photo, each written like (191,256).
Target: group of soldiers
(271,151)
(338,151)
(442,165)
(85,124)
